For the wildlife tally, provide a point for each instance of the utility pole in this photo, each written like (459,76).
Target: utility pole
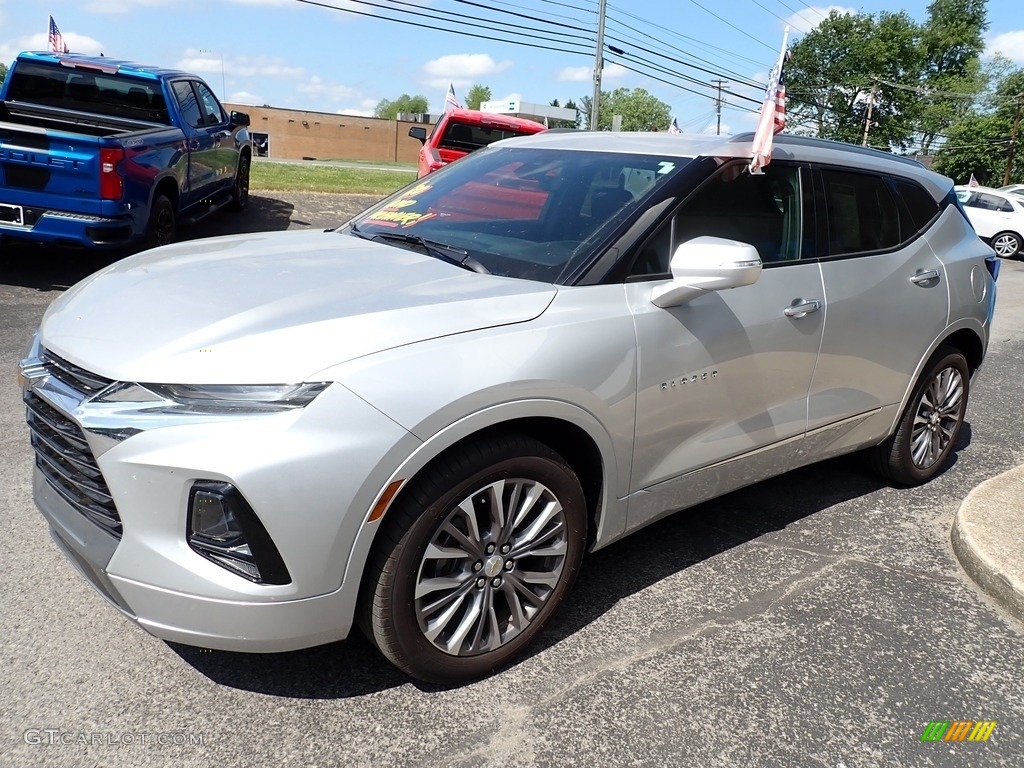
(718,106)
(1013,140)
(598,65)
(871,104)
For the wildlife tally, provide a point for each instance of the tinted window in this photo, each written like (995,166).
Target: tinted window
(992,203)
(87,91)
(187,103)
(921,207)
(213,114)
(469,138)
(862,215)
(764,210)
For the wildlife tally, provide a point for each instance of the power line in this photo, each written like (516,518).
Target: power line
(745,34)
(421,25)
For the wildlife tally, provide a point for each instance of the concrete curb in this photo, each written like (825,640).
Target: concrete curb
(988,538)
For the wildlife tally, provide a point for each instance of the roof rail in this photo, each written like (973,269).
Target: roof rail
(783,139)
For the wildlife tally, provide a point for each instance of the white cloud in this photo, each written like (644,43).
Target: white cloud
(336,92)
(40,42)
(122,6)
(586,74)
(209,61)
(1009,44)
(805,20)
(244,97)
(461,69)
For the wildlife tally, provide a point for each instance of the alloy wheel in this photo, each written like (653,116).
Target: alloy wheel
(938,414)
(491,566)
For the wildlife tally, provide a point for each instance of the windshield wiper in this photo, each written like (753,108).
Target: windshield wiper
(435,248)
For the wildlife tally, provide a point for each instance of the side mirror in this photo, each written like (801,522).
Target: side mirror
(239,119)
(707,264)
(419,132)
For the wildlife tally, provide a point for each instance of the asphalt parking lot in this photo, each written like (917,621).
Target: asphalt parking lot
(817,619)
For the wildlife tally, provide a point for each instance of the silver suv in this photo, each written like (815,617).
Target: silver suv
(421,421)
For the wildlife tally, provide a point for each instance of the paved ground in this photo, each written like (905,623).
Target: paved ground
(818,619)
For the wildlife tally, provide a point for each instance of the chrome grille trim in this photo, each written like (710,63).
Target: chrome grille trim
(75,377)
(65,461)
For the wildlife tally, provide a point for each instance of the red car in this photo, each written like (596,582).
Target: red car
(462,131)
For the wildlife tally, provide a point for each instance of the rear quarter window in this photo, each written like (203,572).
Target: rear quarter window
(920,208)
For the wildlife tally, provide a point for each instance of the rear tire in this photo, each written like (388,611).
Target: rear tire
(1007,244)
(918,449)
(162,226)
(474,559)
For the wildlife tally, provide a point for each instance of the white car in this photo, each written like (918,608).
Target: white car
(997,216)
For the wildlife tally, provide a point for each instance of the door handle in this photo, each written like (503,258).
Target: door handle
(924,276)
(803,308)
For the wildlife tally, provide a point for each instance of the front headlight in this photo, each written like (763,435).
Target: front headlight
(217,398)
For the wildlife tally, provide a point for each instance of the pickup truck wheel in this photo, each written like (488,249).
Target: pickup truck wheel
(474,558)
(162,225)
(240,192)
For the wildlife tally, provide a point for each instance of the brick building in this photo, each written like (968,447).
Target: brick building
(292,134)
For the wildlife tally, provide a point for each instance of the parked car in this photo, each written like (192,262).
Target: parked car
(420,422)
(461,131)
(1017,189)
(98,152)
(997,216)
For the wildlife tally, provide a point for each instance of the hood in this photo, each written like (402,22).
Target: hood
(271,308)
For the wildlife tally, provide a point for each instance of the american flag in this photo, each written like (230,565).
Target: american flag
(673,127)
(450,102)
(973,182)
(773,114)
(57,44)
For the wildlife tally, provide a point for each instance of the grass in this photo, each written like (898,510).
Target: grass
(296,177)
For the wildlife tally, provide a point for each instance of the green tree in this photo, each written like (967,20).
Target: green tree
(979,143)
(477,95)
(848,62)
(570,104)
(640,110)
(584,110)
(406,104)
(3,73)
(952,40)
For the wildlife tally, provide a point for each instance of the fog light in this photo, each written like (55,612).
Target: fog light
(223,528)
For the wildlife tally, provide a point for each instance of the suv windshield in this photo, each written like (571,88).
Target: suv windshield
(529,213)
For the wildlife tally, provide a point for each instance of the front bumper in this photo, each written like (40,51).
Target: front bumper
(310,475)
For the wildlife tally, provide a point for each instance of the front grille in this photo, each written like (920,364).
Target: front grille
(63,455)
(77,378)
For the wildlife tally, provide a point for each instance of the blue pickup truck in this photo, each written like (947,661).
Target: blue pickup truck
(98,153)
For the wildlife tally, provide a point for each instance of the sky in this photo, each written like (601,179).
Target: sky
(341,56)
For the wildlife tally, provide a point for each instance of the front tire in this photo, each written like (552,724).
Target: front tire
(474,559)
(1007,244)
(918,449)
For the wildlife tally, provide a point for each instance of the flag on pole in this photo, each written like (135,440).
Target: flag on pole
(773,112)
(673,127)
(450,102)
(57,44)
(973,182)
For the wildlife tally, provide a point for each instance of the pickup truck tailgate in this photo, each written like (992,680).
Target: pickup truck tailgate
(48,169)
